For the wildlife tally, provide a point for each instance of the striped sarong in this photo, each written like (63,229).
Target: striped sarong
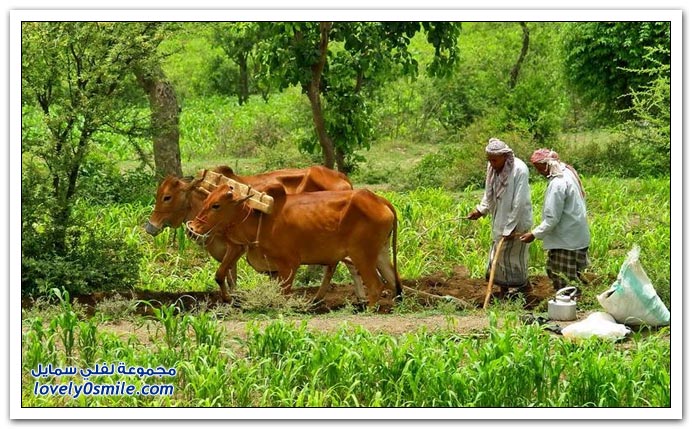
(564,267)
(512,268)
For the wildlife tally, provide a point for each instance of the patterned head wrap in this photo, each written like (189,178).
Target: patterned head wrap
(497,147)
(496,183)
(543,155)
(555,167)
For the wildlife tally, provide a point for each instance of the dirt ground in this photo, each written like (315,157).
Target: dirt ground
(428,291)
(467,292)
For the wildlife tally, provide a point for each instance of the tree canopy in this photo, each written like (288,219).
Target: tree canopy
(341,65)
(78,84)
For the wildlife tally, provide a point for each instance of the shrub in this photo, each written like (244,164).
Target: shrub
(102,182)
(92,261)
(650,130)
(247,139)
(452,167)
(285,155)
(625,152)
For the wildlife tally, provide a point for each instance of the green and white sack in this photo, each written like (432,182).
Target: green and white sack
(632,299)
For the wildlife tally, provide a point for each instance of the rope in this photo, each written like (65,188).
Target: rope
(259,227)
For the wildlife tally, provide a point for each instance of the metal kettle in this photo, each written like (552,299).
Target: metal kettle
(563,307)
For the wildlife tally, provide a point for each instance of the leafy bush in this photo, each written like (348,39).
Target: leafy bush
(92,261)
(533,108)
(285,155)
(452,167)
(454,102)
(102,182)
(649,158)
(650,130)
(80,258)
(245,141)
(604,156)
(600,57)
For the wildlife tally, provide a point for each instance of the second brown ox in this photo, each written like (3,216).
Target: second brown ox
(317,228)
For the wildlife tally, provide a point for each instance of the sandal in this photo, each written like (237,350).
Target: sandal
(528,319)
(555,329)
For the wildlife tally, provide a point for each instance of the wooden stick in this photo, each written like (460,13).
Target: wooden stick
(492,272)
(459,301)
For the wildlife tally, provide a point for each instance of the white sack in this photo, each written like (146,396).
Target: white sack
(598,324)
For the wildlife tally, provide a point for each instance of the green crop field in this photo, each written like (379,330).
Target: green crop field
(127,319)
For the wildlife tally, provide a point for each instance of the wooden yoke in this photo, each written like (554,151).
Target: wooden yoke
(258,200)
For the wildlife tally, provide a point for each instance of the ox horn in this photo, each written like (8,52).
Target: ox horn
(242,200)
(193,184)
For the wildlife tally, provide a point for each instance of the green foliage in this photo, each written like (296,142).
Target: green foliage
(649,131)
(361,56)
(236,71)
(600,57)
(452,167)
(214,128)
(189,61)
(535,107)
(604,154)
(101,182)
(77,85)
(477,94)
(93,260)
(285,364)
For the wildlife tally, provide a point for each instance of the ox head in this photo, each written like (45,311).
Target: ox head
(172,205)
(220,208)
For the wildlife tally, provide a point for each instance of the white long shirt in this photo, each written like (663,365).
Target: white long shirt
(513,209)
(564,224)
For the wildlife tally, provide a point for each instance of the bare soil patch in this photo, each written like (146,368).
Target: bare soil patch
(434,287)
(457,285)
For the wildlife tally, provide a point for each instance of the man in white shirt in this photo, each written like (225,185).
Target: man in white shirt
(564,228)
(507,198)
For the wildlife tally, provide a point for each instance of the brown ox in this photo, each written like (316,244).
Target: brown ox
(178,201)
(316,228)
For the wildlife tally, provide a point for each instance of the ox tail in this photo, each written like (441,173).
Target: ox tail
(397,280)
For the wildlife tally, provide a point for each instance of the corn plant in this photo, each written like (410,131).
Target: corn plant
(38,344)
(207,330)
(66,322)
(87,342)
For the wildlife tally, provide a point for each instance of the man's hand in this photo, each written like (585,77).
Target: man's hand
(475,214)
(527,238)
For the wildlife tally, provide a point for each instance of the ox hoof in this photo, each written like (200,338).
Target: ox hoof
(360,307)
(225,298)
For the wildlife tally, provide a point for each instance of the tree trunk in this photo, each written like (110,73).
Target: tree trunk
(514,74)
(64,188)
(243,84)
(341,164)
(164,121)
(313,91)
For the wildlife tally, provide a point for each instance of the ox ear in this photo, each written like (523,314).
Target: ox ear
(224,170)
(192,184)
